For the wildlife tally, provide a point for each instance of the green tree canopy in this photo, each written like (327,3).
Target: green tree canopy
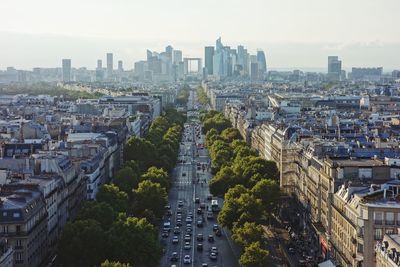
(83,243)
(222,181)
(110,194)
(134,241)
(157,175)
(115,264)
(142,151)
(231,134)
(126,179)
(255,256)
(268,192)
(149,196)
(101,212)
(247,233)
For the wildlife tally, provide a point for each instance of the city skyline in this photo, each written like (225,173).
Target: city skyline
(292,34)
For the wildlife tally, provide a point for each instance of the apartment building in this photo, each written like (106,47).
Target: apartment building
(24,223)
(388,251)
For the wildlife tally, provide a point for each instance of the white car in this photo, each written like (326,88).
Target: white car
(187,259)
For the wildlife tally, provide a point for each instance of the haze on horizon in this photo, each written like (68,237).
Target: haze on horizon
(293,33)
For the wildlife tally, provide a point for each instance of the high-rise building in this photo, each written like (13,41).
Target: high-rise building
(99,64)
(208,59)
(66,70)
(177,58)
(120,66)
(110,65)
(334,68)
(262,63)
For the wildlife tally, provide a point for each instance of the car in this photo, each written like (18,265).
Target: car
(184,174)
(175,239)
(188,219)
(203,205)
(199,223)
(180,203)
(215,227)
(178,222)
(167,207)
(174,256)
(187,237)
(173,265)
(199,211)
(199,246)
(197,200)
(189,231)
(165,234)
(210,216)
(177,230)
(210,238)
(190,214)
(218,233)
(187,259)
(209,197)
(204,265)
(199,237)
(179,211)
(187,246)
(213,256)
(215,250)
(291,250)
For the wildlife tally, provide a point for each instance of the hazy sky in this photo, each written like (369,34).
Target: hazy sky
(293,33)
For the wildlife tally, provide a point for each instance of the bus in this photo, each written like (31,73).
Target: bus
(214,205)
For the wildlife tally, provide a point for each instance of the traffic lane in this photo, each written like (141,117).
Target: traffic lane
(173,199)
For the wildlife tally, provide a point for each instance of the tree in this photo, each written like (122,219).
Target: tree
(83,243)
(110,193)
(150,196)
(231,134)
(222,181)
(246,208)
(101,212)
(141,151)
(157,175)
(255,256)
(268,191)
(115,264)
(126,179)
(247,233)
(134,241)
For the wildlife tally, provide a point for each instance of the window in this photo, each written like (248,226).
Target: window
(16,215)
(389,218)
(4,213)
(378,234)
(378,217)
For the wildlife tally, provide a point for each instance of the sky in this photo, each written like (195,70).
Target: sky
(293,33)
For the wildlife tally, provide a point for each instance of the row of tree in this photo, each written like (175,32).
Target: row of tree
(202,96)
(121,224)
(183,95)
(248,183)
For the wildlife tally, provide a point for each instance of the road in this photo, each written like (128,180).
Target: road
(190,181)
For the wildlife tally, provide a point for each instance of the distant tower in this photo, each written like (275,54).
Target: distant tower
(66,70)
(110,65)
(120,66)
(334,68)
(208,59)
(99,64)
(262,63)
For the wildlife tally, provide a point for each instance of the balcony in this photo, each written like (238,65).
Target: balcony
(389,222)
(378,222)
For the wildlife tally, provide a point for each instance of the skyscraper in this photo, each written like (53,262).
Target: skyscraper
(66,70)
(334,68)
(99,64)
(262,63)
(110,65)
(208,59)
(177,57)
(120,66)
